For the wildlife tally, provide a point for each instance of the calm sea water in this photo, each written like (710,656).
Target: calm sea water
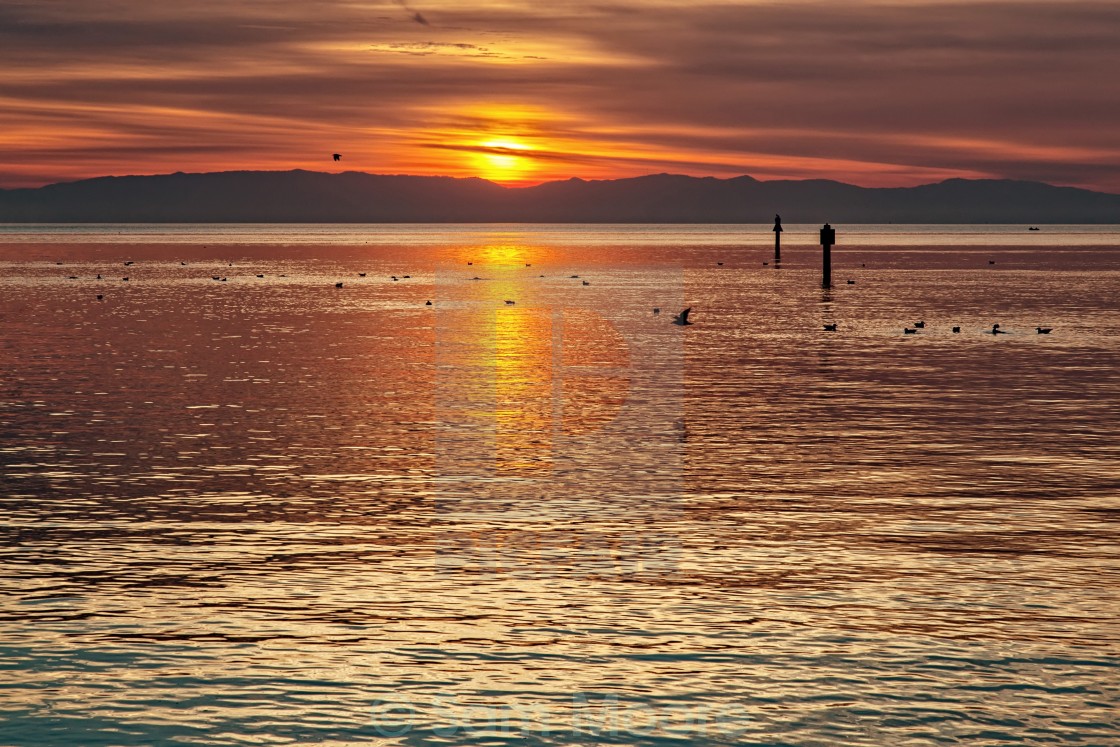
(269,510)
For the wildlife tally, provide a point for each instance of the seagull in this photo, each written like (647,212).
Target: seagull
(336,156)
(830,327)
(681,319)
(1043,330)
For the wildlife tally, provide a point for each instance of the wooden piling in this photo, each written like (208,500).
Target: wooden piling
(828,238)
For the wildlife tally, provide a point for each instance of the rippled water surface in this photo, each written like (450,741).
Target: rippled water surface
(270,510)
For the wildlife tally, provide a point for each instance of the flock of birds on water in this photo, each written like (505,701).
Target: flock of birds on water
(681,319)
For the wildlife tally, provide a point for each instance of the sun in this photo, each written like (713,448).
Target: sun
(504,160)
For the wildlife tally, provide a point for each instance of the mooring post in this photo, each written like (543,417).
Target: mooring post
(777,238)
(828,238)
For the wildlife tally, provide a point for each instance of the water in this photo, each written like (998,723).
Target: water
(273,511)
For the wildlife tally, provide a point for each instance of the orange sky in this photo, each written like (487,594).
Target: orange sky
(873,93)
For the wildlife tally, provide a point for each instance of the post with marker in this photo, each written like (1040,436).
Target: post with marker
(828,238)
(777,238)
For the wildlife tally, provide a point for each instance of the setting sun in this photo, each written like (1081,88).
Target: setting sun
(504,160)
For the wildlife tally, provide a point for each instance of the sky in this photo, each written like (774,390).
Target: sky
(867,92)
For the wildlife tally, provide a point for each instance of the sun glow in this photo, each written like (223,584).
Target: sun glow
(504,160)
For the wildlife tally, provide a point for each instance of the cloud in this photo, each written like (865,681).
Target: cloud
(876,91)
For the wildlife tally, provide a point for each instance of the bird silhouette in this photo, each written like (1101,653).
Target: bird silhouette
(336,156)
(681,319)
(1043,330)
(956,330)
(830,327)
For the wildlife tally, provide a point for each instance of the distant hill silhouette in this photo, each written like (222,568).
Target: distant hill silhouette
(353,197)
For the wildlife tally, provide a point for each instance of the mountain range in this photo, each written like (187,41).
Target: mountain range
(355,197)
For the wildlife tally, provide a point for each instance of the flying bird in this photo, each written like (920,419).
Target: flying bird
(416,16)
(681,319)
(336,156)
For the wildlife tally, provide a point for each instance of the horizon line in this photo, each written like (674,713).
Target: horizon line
(514,186)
